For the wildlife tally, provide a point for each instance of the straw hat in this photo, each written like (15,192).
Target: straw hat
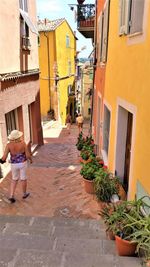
(14,135)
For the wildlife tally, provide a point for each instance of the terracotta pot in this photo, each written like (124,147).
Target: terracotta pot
(125,247)
(80,2)
(89,186)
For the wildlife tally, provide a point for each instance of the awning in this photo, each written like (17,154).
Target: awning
(28,22)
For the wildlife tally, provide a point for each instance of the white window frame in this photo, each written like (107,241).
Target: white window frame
(125,17)
(104,152)
(23,4)
(103,29)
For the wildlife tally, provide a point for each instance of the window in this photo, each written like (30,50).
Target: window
(11,119)
(24,32)
(23,5)
(106,129)
(131,16)
(69,67)
(67,41)
(103,33)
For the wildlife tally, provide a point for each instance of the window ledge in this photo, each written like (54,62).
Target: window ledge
(134,34)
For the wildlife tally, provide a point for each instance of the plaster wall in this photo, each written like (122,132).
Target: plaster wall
(10,37)
(127,77)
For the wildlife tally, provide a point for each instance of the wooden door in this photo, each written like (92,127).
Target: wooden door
(128,151)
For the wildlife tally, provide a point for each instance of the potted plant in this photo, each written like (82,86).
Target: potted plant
(105,186)
(122,221)
(87,153)
(141,233)
(80,142)
(88,172)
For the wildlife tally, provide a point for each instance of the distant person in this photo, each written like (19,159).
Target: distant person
(19,155)
(79,121)
(68,122)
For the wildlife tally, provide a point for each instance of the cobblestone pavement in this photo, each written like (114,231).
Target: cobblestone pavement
(54,181)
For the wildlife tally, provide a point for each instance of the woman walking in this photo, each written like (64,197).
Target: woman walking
(19,155)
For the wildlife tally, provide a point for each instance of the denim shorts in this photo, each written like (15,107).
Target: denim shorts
(19,171)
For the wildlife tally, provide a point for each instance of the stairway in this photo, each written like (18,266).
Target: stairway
(57,242)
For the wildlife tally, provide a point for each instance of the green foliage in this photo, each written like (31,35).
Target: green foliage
(88,141)
(105,185)
(88,170)
(124,218)
(80,141)
(87,152)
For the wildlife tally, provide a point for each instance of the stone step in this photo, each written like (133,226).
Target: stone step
(63,242)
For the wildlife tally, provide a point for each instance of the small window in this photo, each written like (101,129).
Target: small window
(103,27)
(131,16)
(11,121)
(67,41)
(24,33)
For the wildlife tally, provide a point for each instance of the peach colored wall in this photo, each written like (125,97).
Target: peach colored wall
(10,37)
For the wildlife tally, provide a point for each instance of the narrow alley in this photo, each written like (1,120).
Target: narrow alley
(58,224)
(54,181)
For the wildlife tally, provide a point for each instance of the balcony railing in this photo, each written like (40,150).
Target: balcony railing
(26,45)
(85,20)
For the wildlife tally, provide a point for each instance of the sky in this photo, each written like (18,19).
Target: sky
(56,9)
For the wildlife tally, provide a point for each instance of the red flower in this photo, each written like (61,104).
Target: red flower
(101,162)
(105,167)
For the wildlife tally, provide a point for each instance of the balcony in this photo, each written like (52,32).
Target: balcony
(86,20)
(26,45)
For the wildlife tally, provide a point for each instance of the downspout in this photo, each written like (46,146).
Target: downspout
(94,65)
(48,67)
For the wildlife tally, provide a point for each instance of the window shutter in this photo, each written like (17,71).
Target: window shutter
(137,11)
(100,35)
(124,11)
(105,32)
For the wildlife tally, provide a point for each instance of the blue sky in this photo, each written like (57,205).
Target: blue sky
(55,9)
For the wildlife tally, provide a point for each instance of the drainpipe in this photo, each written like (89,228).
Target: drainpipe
(48,67)
(94,63)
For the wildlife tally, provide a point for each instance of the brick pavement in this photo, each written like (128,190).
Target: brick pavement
(54,182)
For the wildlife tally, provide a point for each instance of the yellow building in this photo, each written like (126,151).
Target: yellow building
(126,111)
(57,50)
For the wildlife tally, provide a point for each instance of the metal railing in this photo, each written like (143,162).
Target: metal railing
(26,43)
(85,12)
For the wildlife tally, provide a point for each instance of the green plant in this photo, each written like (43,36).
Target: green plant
(88,170)
(87,152)
(141,235)
(80,141)
(105,185)
(124,218)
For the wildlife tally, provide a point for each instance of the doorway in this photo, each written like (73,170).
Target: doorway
(123,146)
